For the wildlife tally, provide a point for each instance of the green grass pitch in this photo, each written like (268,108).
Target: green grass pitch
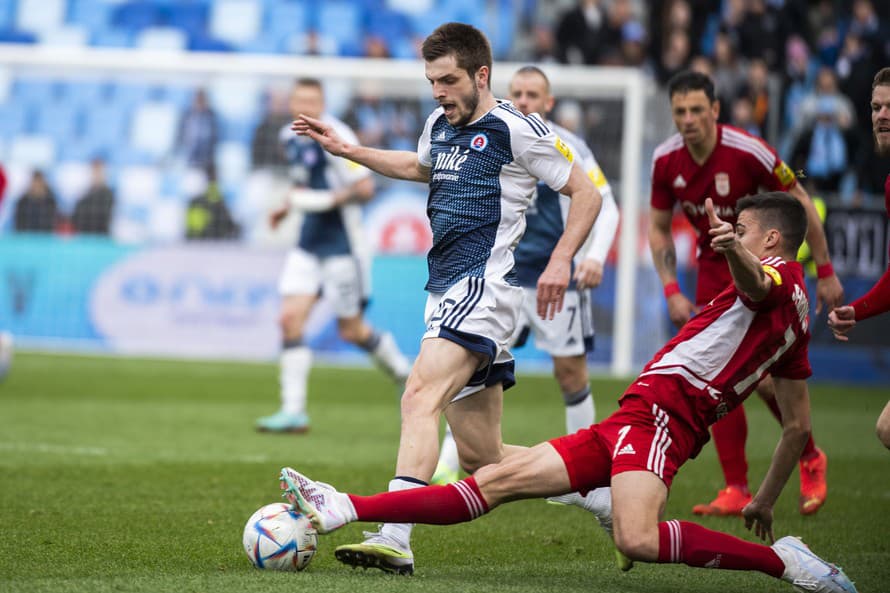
(135,475)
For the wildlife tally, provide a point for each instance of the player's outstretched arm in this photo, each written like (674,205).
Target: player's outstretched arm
(583,210)
(398,164)
(841,320)
(664,256)
(829,291)
(747,273)
(793,399)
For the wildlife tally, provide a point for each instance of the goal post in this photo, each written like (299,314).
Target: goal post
(608,105)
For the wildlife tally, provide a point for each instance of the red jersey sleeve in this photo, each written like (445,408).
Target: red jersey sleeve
(2,183)
(662,198)
(779,178)
(875,301)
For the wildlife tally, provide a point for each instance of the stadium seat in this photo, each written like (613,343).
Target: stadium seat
(154,128)
(411,7)
(343,22)
(33,151)
(162,38)
(61,121)
(86,93)
(166,221)
(16,36)
(40,16)
(12,119)
(6,80)
(235,97)
(237,130)
(232,162)
(282,18)
(69,36)
(235,21)
(35,90)
(107,126)
(190,17)
(95,15)
(135,16)
(138,185)
(204,43)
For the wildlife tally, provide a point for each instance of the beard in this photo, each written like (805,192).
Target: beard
(470,103)
(883,150)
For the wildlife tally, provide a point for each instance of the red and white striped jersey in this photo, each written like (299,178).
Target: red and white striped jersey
(721,354)
(740,165)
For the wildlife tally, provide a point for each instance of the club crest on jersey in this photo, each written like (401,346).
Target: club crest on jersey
(479,142)
(721,184)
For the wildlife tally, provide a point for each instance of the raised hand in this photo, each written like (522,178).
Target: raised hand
(723,236)
(321,132)
(841,320)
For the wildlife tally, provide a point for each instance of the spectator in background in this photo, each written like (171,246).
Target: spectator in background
(797,80)
(826,86)
(198,133)
(756,89)
(36,211)
(265,149)
(92,213)
(207,216)
(579,34)
(760,34)
(743,116)
(675,57)
(729,76)
(822,150)
(854,71)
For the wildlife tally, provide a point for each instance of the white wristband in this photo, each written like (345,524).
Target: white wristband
(312,200)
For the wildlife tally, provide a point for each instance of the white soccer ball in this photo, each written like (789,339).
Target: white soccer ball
(279,537)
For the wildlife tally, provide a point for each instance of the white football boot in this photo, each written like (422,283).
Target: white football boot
(807,572)
(325,508)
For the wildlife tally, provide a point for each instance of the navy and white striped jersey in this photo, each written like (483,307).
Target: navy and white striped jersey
(482,178)
(337,231)
(546,218)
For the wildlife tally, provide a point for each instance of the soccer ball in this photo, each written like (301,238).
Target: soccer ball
(278,537)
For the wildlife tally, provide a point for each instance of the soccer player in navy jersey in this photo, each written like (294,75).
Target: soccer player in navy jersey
(756,325)
(877,300)
(568,337)
(482,159)
(330,258)
(706,159)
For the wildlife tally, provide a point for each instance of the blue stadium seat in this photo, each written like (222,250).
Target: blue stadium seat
(341,20)
(237,130)
(63,122)
(136,15)
(93,14)
(107,126)
(204,43)
(86,93)
(36,90)
(190,17)
(15,36)
(389,25)
(112,38)
(12,119)
(130,95)
(285,18)
(7,14)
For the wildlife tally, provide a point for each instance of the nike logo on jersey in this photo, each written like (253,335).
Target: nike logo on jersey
(451,160)
(679,182)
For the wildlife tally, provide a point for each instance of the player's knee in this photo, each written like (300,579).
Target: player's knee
(416,402)
(883,431)
(289,322)
(350,333)
(635,544)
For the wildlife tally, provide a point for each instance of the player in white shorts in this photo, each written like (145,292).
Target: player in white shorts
(481,158)
(568,337)
(329,259)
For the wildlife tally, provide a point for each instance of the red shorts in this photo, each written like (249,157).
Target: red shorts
(639,436)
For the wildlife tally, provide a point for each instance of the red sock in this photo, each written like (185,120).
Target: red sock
(809,450)
(434,505)
(730,434)
(694,545)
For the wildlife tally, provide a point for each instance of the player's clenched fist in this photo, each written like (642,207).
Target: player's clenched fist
(723,236)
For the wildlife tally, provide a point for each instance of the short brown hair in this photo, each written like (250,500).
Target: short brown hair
(781,211)
(307,81)
(468,44)
(882,78)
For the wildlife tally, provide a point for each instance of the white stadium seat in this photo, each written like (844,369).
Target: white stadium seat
(235,21)
(33,151)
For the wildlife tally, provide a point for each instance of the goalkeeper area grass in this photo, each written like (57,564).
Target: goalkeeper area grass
(138,475)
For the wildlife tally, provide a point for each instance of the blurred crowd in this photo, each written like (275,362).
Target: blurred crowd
(795,72)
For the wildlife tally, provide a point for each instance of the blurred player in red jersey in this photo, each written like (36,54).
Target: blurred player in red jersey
(877,300)
(757,324)
(710,160)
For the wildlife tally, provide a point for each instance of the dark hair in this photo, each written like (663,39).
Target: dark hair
(689,80)
(313,82)
(468,44)
(534,70)
(781,211)
(881,78)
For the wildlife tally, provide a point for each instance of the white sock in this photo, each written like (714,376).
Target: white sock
(580,412)
(294,365)
(448,459)
(387,356)
(401,532)
(599,502)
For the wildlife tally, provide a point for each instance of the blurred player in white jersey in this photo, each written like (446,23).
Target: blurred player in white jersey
(329,259)
(568,337)
(482,159)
